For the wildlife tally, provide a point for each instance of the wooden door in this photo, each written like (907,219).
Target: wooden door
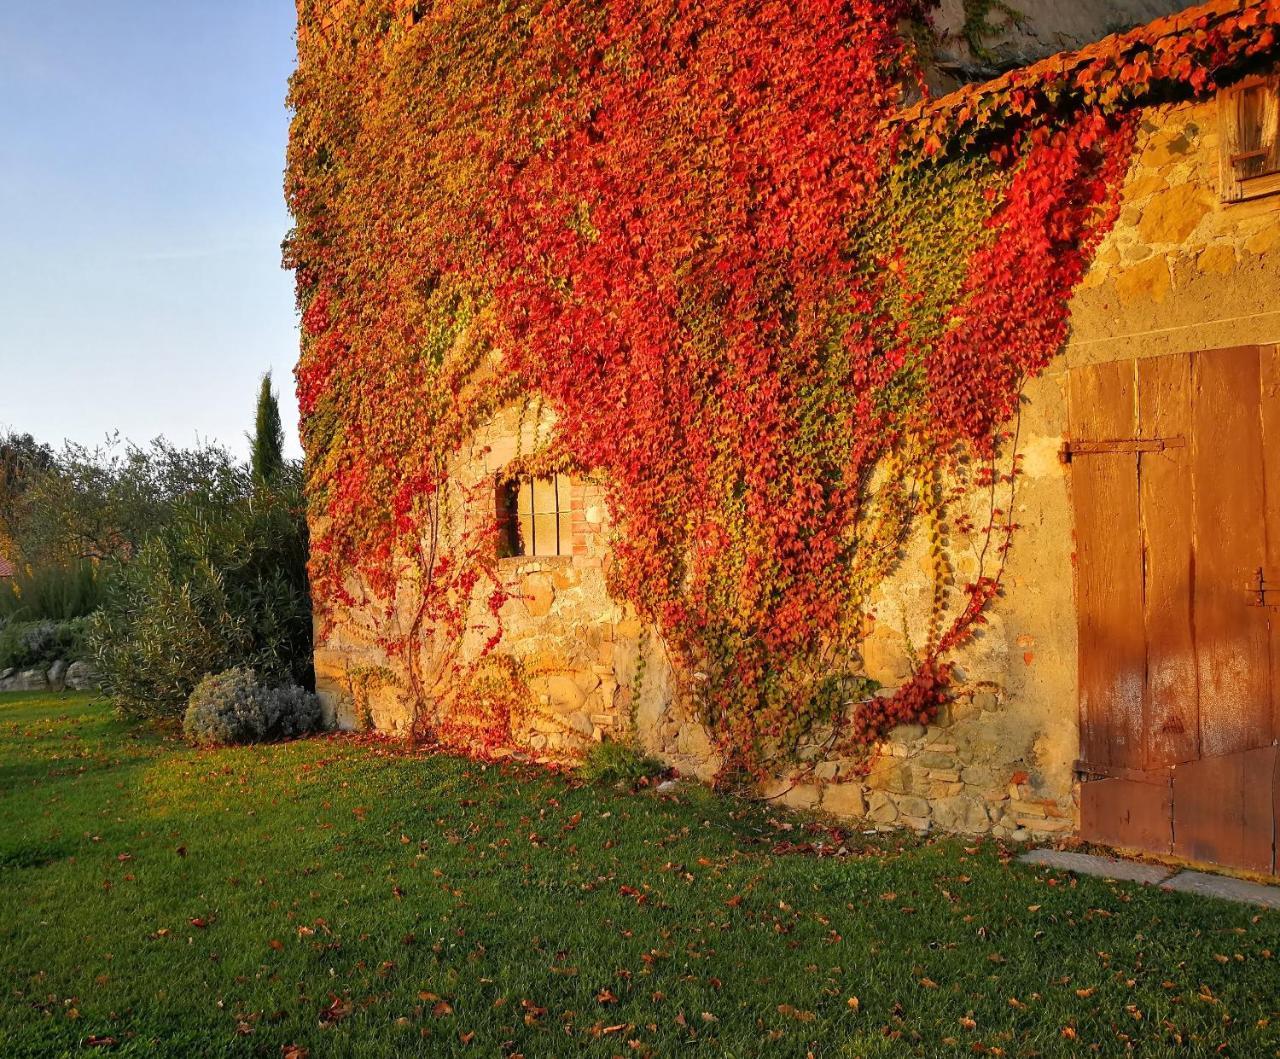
(1175,475)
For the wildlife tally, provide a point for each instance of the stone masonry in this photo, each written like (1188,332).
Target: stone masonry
(1180,271)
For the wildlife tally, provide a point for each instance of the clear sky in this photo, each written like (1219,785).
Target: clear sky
(141,213)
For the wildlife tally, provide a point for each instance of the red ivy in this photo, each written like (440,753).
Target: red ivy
(643,212)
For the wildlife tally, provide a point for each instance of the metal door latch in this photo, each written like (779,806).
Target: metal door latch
(1072,449)
(1261,592)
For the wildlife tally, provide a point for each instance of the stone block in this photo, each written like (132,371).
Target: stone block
(966,815)
(881,810)
(1148,282)
(57,675)
(538,594)
(987,701)
(693,742)
(826,771)
(1044,826)
(1164,149)
(1145,184)
(587,681)
(944,775)
(885,658)
(81,676)
(792,795)
(910,806)
(1219,260)
(581,724)
(890,776)
(1171,216)
(1264,240)
(562,691)
(30,680)
(566,577)
(844,799)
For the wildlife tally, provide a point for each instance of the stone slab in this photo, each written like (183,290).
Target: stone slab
(1102,867)
(1225,888)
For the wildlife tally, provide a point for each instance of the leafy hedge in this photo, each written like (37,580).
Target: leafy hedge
(222,584)
(37,644)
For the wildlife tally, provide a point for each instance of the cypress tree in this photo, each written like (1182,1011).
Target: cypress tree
(268,436)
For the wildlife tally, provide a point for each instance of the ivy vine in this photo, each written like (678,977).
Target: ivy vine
(779,340)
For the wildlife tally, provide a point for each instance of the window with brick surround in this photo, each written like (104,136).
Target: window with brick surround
(535,516)
(1249,126)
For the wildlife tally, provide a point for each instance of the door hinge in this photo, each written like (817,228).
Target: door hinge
(1071,449)
(1263,591)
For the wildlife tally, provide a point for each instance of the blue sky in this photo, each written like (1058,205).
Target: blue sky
(141,213)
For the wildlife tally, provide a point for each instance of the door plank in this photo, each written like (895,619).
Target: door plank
(1224,809)
(1269,369)
(1102,406)
(1171,708)
(1127,814)
(1232,649)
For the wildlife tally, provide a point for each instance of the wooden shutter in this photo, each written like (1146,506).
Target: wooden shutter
(1249,127)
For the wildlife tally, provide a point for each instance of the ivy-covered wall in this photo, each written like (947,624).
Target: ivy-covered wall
(1180,272)
(782,350)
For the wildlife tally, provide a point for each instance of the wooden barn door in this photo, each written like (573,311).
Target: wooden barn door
(1175,473)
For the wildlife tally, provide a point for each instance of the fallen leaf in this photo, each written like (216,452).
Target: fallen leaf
(337,1010)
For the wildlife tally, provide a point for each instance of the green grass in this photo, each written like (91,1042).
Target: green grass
(187,902)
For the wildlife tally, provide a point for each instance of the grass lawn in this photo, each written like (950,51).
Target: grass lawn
(333,899)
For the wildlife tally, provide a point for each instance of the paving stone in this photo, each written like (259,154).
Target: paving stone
(1226,888)
(1103,867)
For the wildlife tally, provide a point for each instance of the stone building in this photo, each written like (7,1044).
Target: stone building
(1127,686)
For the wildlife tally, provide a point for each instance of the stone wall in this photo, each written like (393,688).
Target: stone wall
(1181,271)
(60,676)
(591,670)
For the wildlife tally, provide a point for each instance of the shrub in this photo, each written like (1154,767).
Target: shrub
(613,762)
(57,592)
(233,707)
(37,644)
(221,584)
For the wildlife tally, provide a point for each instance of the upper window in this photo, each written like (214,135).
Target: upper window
(534,516)
(1249,115)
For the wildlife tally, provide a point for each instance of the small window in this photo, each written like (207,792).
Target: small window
(1249,115)
(534,516)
